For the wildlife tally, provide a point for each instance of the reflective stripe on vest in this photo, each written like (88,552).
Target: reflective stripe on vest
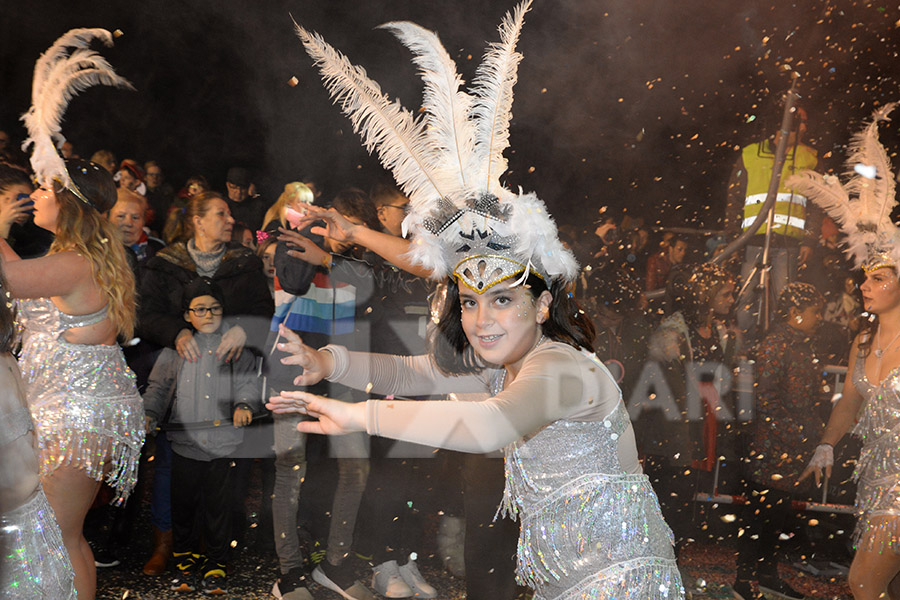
(790,208)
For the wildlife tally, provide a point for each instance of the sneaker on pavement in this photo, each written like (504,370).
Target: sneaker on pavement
(387,581)
(292,586)
(187,566)
(215,579)
(779,588)
(413,578)
(743,590)
(104,558)
(342,581)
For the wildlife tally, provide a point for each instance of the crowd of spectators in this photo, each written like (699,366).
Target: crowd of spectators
(666,328)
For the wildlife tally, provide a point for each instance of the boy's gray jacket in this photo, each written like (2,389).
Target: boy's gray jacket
(206,390)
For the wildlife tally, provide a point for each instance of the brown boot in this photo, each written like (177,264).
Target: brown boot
(162,550)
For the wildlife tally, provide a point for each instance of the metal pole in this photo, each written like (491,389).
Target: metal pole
(769,204)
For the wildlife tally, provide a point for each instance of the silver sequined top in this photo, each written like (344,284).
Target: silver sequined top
(878,468)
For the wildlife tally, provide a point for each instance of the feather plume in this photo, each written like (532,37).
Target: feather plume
(384,126)
(68,67)
(493,92)
(827,192)
(875,195)
(450,132)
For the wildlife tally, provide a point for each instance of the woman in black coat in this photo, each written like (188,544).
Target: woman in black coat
(208,252)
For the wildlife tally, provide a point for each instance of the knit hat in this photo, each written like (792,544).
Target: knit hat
(201,286)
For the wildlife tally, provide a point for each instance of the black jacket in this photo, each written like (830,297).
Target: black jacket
(240,275)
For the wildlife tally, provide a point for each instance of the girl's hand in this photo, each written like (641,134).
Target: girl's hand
(186,346)
(242,417)
(12,211)
(823,458)
(316,364)
(337,226)
(232,344)
(334,417)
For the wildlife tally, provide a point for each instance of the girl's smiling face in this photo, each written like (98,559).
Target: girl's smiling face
(503,324)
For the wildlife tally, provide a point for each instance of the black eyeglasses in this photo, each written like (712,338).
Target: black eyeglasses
(400,206)
(201,311)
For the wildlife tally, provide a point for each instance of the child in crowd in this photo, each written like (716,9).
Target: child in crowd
(202,394)
(791,409)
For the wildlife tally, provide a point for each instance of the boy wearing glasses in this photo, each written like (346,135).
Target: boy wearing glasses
(209,401)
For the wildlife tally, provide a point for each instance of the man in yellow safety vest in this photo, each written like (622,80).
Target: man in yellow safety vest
(796,222)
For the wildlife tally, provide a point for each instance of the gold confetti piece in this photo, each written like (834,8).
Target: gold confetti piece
(369,387)
(813,522)
(293,81)
(118,33)
(729,518)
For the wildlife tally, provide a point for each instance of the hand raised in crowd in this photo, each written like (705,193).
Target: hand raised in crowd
(13,210)
(316,364)
(823,458)
(337,226)
(186,346)
(334,417)
(242,416)
(232,344)
(302,247)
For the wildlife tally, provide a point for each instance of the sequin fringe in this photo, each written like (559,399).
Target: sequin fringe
(35,563)
(616,516)
(638,579)
(92,452)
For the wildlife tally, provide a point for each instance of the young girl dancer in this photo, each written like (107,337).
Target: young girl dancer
(74,303)
(590,523)
(874,368)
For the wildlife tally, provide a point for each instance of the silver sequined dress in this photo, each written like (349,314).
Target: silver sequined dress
(83,400)
(588,529)
(33,560)
(878,469)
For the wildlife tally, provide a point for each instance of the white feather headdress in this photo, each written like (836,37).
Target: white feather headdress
(449,161)
(862,207)
(68,67)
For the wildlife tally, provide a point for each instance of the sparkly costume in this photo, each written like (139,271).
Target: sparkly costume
(34,563)
(82,397)
(590,523)
(878,469)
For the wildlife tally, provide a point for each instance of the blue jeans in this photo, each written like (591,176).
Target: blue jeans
(161,496)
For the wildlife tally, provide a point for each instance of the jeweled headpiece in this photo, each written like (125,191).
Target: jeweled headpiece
(69,66)
(449,162)
(861,207)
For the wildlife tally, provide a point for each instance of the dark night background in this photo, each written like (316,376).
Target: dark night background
(637,104)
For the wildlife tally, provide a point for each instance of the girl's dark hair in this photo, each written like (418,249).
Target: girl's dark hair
(7,319)
(452,352)
(10,176)
(356,203)
(797,295)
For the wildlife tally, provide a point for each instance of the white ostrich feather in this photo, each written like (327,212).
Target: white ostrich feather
(384,125)
(876,195)
(450,162)
(862,207)
(493,92)
(537,236)
(450,133)
(827,192)
(68,67)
